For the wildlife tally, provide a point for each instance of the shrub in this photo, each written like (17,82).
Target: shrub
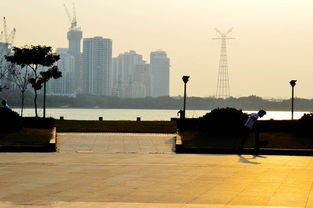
(276,125)
(10,121)
(223,122)
(41,123)
(188,124)
(305,126)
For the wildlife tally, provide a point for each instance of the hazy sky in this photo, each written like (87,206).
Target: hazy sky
(274,39)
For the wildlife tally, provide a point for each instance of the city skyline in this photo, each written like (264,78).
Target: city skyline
(273,39)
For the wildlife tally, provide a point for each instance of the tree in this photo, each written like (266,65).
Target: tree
(54,73)
(37,58)
(21,80)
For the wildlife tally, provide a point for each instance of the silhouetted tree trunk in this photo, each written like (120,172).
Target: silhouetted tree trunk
(44,99)
(35,103)
(23,97)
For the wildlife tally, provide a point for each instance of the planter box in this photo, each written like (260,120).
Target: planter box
(24,146)
(283,138)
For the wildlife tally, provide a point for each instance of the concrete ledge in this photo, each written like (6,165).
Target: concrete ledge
(294,152)
(51,147)
(179,148)
(263,151)
(26,148)
(53,140)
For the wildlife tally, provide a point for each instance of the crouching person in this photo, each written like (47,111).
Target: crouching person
(250,127)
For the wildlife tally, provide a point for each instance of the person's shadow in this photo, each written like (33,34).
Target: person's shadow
(247,160)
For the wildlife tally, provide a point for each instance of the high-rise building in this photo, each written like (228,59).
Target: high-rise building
(115,80)
(74,36)
(129,70)
(160,67)
(65,84)
(142,81)
(5,78)
(97,66)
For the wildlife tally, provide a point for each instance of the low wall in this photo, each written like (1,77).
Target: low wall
(50,147)
(285,138)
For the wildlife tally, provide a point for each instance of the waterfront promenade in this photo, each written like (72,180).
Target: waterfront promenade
(149,179)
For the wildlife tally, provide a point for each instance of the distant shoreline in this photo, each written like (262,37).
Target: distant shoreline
(84,101)
(40,108)
(143,114)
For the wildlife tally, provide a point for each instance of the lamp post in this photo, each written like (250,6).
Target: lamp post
(292,83)
(185,80)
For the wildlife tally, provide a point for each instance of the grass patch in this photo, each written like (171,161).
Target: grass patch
(27,136)
(275,140)
(116,126)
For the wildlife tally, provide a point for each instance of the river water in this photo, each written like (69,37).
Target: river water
(132,114)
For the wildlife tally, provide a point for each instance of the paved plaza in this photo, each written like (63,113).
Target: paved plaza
(116,142)
(150,180)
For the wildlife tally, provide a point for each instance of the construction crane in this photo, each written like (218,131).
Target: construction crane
(71,18)
(5,37)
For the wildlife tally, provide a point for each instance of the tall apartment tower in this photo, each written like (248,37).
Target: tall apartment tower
(74,36)
(125,80)
(4,51)
(97,66)
(142,81)
(65,84)
(160,66)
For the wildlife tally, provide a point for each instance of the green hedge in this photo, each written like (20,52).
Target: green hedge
(229,122)
(223,122)
(220,122)
(41,123)
(305,125)
(276,125)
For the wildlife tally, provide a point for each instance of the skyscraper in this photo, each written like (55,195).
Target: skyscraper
(6,79)
(74,36)
(97,66)
(65,84)
(142,80)
(131,75)
(160,66)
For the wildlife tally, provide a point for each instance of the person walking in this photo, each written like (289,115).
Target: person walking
(250,127)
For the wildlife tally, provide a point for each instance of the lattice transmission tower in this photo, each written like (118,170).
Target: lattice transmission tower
(223,89)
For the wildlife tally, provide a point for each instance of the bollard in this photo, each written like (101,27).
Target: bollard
(61,118)
(101,118)
(138,119)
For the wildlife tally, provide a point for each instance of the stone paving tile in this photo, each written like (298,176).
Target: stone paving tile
(116,142)
(126,205)
(72,179)
(309,203)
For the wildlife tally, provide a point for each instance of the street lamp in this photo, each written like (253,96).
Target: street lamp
(183,112)
(293,84)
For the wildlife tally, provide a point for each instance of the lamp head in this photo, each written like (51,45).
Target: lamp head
(185,79)
(293,83)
